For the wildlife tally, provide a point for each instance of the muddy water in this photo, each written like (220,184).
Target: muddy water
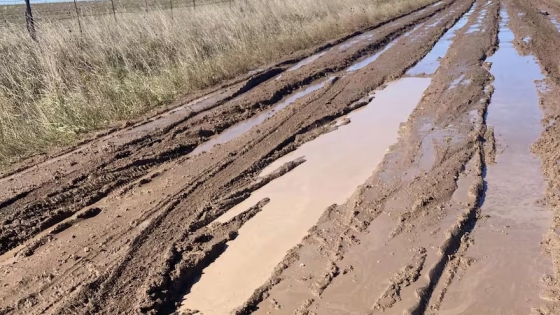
(366,61)
(477,26)
(505,279)
(308,60)
(556,23)
(336,163)
(362,63)
(429,64)
(242,127)
(351,42)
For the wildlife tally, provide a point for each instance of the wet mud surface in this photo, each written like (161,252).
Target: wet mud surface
(411,168)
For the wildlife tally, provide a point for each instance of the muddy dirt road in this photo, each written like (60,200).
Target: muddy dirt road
(411,168)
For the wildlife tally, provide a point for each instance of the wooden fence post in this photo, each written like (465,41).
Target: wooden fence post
(30,21)
(114,13)
(171,5)
(78,15)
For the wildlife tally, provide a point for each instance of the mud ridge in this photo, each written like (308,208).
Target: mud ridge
(456,237)
(408,274)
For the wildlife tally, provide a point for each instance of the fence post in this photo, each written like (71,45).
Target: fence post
(30,21)
(78,15)
(171,5)
(114,13)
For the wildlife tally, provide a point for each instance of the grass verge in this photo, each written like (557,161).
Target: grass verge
(67,84)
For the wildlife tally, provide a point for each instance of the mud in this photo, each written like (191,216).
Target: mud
(411,167)
(508,241)
(299,198)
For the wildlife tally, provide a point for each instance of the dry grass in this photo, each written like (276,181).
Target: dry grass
(69,84)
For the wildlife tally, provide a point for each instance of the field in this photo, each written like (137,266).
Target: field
(409,167)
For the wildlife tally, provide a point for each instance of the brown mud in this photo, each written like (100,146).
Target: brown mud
(184,211)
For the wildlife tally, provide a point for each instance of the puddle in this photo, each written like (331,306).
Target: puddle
(362,63)
(412,31)
(369,36)
(508,242)
(307,61)
(477,26)
(429,64)
(456,82)
(436,22)
(437,4)
(336,163)
(366,61)
(556,23)
(351,42)
(244,126)
(173,116)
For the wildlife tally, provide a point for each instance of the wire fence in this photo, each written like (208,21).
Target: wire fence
(25,13)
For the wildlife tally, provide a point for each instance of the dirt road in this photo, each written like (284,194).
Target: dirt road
(407,169)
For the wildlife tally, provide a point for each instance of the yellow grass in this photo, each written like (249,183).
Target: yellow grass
(68,83)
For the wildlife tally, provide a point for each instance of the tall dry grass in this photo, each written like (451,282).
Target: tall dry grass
(67,83)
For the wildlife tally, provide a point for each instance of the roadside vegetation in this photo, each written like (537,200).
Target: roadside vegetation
(70,83)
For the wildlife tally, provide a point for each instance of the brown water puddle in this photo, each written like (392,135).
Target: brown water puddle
(555,23)
(244,126)
(362,63)
(429,64)
(336,163)
(506,277)
(308,60)
(477,26)
(366,61)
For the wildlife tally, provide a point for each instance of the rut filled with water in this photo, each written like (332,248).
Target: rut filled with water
(336,163)
(510,261)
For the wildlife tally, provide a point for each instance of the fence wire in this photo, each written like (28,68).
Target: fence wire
(12,12)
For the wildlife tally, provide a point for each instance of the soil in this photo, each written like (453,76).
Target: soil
(457,209)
